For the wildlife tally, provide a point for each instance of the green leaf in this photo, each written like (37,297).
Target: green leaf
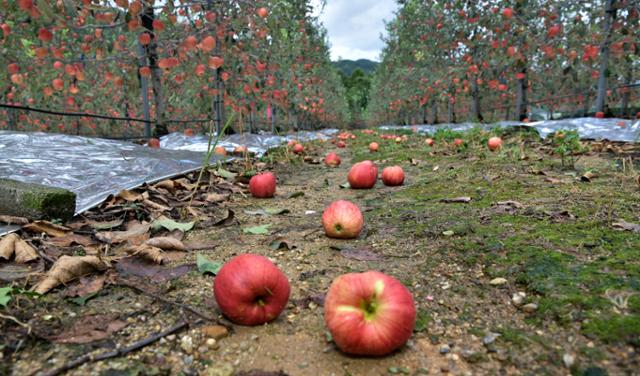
(422,321)
(5,297)
(276,211)
(207,266)
(296,194)
(226,174)
(170,225)
(258,230)
(82,300)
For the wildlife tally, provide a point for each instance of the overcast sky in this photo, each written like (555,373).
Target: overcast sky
(354,26)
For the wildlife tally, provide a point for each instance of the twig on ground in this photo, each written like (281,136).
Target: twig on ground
(27,326)
(87,358)
(166,301)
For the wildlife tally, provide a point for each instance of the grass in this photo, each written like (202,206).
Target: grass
(560,248)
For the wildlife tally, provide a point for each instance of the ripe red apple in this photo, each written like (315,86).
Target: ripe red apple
(263,12)
(220,150)
(332,160)
(251,290)
(240,149)
(363,175)
(392,176)
(457,142)
(600,115)
(429,141)
(494,143)
(342,220)
(291,143)
(154,143)
(369,313)
(373,146)
(263,185)
(298,148)
(189,132)
(341,144)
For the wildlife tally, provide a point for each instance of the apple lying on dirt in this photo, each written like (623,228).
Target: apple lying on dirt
(341,144)
(263,185)
(154,143)
(392,176)
(189,132)
(219,150)
(369,313)
(298,148)
(429,141)
(600,115)
(292,143)
(494,143)
(363,175)
(332,160)
(342,220)
(457,142)
(373,147)
(251,290)
(240,149)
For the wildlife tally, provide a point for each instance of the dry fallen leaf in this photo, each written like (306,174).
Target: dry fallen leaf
(12,245)
(86,286)
(166,243)
(169,185)
(156,206)
(216,197)
(68,268)
(463,200)
(130,196)
(134,232)
(148,252)
(90,328)
(13,220)
(70,239)
(627,226)
(48,228)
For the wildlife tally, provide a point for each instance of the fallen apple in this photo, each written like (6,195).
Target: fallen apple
(363,175)
(342,220)
(298,148)
(341,144)
(263,185)
(429,141)
(392,176)
(457,142)
(189,132)
(251,290)
(494,143)
(369,313)
(332,160)
(219,150)
(240,149)
(292,143)
(373,146)
(600,115)
(154,143)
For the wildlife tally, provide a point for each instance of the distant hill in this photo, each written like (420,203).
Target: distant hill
(348,66)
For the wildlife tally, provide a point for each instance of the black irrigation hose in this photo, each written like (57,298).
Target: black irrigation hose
(106,117)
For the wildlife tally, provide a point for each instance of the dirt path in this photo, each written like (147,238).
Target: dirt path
(514,282)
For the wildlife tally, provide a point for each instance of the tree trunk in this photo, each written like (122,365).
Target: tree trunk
(604,55)
(475,103)
(521,97)
(452,113)
(144,91)
(435,112)
(626,95)
(156,75)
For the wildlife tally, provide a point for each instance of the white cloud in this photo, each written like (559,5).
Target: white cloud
(355,26)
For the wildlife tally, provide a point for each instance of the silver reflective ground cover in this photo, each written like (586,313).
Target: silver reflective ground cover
(588,128)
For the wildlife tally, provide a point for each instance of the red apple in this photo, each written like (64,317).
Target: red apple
(341,144)
(298,149)
(251,290)
(457,142)
(600,115)
(392,176)
(494,143)
(189,132)
(342,220)
(240,149)
(332,160)
(292,142)
(373,146)
(429,141)
(369,313)
(220,150)
(154,143)
(263,185)
(363,175)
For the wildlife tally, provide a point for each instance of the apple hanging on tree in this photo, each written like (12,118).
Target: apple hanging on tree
(369,313)
(251,290)
(342,220)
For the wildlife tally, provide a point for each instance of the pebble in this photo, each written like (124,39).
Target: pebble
(186,344)
(171,337)
(490,338)
(518,298)
(568,360)
(530,308)
(215,331)
(445,349)
(498,281)
(224,369)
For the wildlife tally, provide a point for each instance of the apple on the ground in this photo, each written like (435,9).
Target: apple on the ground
(263,185)
(369,313)
(251,290)
(392,176)
(342,220)
(332,160)
(363,175)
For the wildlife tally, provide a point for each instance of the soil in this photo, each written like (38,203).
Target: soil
(529,277)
